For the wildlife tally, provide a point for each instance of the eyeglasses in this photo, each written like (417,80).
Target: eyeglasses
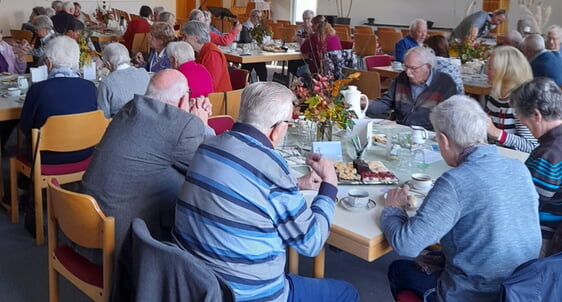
(279,122)
(413,68)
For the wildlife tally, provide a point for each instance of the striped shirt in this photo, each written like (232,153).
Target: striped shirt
(514,134)
(239,208)
(545,164)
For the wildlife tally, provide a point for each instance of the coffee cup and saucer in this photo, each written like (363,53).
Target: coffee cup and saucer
(357,200)
(420,182)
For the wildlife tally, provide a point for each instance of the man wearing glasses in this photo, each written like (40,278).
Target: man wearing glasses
(415,91)
(239,208)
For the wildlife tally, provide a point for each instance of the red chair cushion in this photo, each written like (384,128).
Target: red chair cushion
(60,168)
(408,296)
(221,124)
(80,266)
(347,44)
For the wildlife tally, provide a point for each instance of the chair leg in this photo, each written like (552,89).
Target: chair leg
(14,191)
(38,214)
(53,282)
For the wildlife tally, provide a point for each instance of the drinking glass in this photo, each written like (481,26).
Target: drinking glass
(418,160)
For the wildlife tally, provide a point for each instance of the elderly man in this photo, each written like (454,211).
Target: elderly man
(539,106)
(416,90)
(543,63)
(239,207)
(139,165)
(124,81)
(486,228)
(57,6)
(63,18)
(513,38)
(478,25)
(554,38)
(182,58)
(416,37)
(196,33)
(245,37)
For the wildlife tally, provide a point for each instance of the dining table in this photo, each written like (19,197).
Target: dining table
(359,232)
(252,54)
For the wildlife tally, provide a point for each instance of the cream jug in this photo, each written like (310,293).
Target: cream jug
(353,97)
(419,134)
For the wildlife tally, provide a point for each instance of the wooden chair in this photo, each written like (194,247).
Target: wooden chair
(436,33)
(387,29)
(377,61)
(387,40)
(134,17)
(345,27)
(21,35)
(342,34)
(80,219)
(276,30)
(221,123)
(60,133)
(217,100)
(284,22)
(239,78)
(363,30)
(369,82)
(288,34)
(405,32)
(232,102)
(365,44)
(104,40)
(140,43)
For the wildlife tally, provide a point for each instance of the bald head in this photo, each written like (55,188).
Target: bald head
(168,86)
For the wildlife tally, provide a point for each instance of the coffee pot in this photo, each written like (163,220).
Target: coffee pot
(353,97)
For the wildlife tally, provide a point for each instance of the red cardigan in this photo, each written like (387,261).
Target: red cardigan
(214,60)
(138,26)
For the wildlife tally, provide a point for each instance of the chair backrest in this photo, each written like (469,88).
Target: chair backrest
(217,100)
(387,40)
(377,61)
(337,59)
(232,102)
(21,35)
(276,30)
(363,30)
(387,29)
(221,123)
(438,33)
(134,17)
(165,272)
(288,34)
(368,82)
(365,44)
(342,33)
(80,218)
(140,43)
(104,40)
(239,78)
(284,22)
(345,27)
(405,32)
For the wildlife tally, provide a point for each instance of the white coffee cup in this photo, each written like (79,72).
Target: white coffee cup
(357,198)
(396,65)
(13,91)
(233,45)
(421,182)
(419,134)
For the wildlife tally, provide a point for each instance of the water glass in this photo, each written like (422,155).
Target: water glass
(404,160)
(418,161)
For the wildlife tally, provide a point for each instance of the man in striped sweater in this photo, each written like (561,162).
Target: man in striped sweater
(239,207)
(539,106)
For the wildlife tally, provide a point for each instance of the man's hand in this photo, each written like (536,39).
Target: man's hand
(493,132)
(237,25)
(398,197)
(200,107)
(310,181)
(323,167)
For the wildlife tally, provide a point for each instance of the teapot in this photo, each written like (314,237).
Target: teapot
(353,97)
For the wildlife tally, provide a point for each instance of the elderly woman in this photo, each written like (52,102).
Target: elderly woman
(440,47)
(124,81)
(36,11)
(216,36)
(168,18)
(539,106)
(196,33)
(305,29)
(161,33)
(64,92)
(507,69)
(485,219)
(11,61)
(44,33)
(182,58)
(323,39)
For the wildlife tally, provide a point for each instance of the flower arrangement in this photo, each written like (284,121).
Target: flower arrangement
(103,13)
(259,32)
(323,102)
(85,52)
(468,51)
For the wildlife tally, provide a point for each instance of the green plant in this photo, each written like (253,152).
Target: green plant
(259,32)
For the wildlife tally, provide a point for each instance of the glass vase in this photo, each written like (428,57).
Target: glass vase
(324,131)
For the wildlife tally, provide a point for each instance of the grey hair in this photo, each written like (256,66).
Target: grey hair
(540,94)
(116,54)
(207,15)
(198,29)
(515,36)
(182,51)
(43,22)
(169,95)
(165,16)
(196,14)
(63,51)
(56,4)
(416,22)
(307,12)
(66,5)
(427,56)
(255,13)
(264,104)
(49,11)
(157,10)
(554,28)
(462,120)
(533,43)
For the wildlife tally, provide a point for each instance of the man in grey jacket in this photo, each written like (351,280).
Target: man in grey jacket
(139,165)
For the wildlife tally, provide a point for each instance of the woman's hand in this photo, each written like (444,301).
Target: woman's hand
(493,131)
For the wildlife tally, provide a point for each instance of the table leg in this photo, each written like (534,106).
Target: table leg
(293,261)
(318,266)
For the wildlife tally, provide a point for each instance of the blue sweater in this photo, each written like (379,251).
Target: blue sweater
(402,46)
(239,208)
(547,64)
(485,218)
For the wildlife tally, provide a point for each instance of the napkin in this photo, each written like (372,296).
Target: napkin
(38,74)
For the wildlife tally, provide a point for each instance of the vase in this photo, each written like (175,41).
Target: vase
(324,131)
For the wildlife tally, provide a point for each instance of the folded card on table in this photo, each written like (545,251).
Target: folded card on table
(39,73)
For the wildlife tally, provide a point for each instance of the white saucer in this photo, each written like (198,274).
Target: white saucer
(345,204)
(413,189)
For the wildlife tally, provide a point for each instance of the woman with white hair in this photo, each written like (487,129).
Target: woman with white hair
(507,69)
(216,36)
(64,92)
(182,58)
(483,212)
(124,81)
(161,33)
(196,33)
(44,33)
